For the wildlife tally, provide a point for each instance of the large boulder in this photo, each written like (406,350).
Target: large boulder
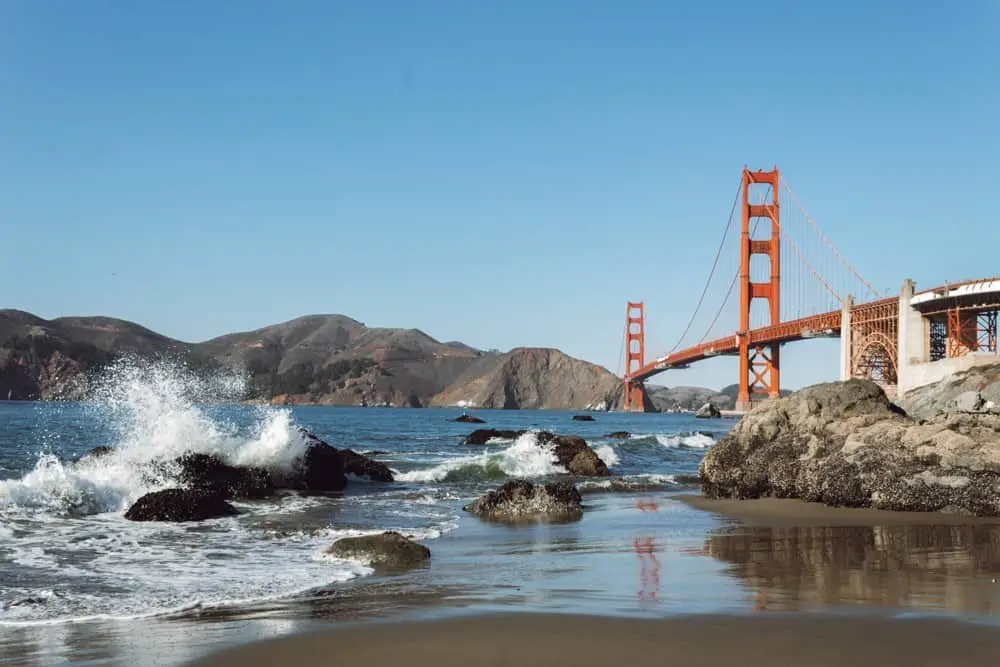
(845,444)
(179,505)
(211,474)
(573,453)
(386,551)
(519,499)
(708,411)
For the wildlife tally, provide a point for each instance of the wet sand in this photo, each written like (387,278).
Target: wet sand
(780,511)
(526,640)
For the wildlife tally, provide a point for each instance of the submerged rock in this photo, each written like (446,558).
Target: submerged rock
(520,499)
(845,444)
(483,435)
(708,411)
(469,419)
(96,453)
(179,505)
(572,452)
(387,551)
(211,474)
(619,434)
(583,418)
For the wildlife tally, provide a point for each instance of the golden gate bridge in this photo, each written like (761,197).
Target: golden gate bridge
(778,279)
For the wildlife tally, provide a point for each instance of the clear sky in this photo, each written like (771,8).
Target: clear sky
(502,173)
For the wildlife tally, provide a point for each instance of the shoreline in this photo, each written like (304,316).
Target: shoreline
(529,639)
(793,512)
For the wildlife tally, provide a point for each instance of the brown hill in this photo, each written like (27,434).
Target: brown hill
(316,359)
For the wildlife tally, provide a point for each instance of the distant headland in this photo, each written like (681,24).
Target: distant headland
(324,360)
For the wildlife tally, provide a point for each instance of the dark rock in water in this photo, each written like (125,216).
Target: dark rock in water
(708,411)
(483,435)
(209,473)
(179,505)
(520,499)
(362,466)
(619,434)
(574,454)
(582,418)
(387,551)
(469,419)
(845,444)
(319,468)
(95,453)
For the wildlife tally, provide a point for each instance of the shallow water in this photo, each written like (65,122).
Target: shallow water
(82,585)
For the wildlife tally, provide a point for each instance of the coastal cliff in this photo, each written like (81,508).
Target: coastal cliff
(535,379)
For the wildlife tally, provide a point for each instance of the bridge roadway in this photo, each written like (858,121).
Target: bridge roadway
(970,296)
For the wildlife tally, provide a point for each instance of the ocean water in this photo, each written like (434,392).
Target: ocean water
(82,585)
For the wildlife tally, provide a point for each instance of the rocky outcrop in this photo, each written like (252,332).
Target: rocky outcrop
(179,505)
(534,379)
(318,470)
(388,551)
(519,499)
(845,444)
(583,418)
(208,473)
(621,435)
(708,411)
(574,454)
(976,390)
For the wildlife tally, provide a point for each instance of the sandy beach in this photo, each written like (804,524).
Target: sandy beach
(526,640)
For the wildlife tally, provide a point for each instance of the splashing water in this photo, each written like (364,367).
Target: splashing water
(154,411)
(526,458)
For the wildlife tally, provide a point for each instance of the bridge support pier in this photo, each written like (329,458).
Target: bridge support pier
(636,399)
(846,367)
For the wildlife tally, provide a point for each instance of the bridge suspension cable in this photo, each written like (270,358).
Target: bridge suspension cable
(711,273)
(830,245)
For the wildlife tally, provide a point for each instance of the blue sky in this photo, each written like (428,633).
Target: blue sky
(505,173)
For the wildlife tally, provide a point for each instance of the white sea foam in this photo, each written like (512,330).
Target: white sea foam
(524,458)
(152,411)
(628,482)
(608,455)
(691,441)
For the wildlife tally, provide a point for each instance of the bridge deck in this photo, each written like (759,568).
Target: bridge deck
(824,324)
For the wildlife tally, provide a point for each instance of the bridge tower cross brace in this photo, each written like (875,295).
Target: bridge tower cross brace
(759,365)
